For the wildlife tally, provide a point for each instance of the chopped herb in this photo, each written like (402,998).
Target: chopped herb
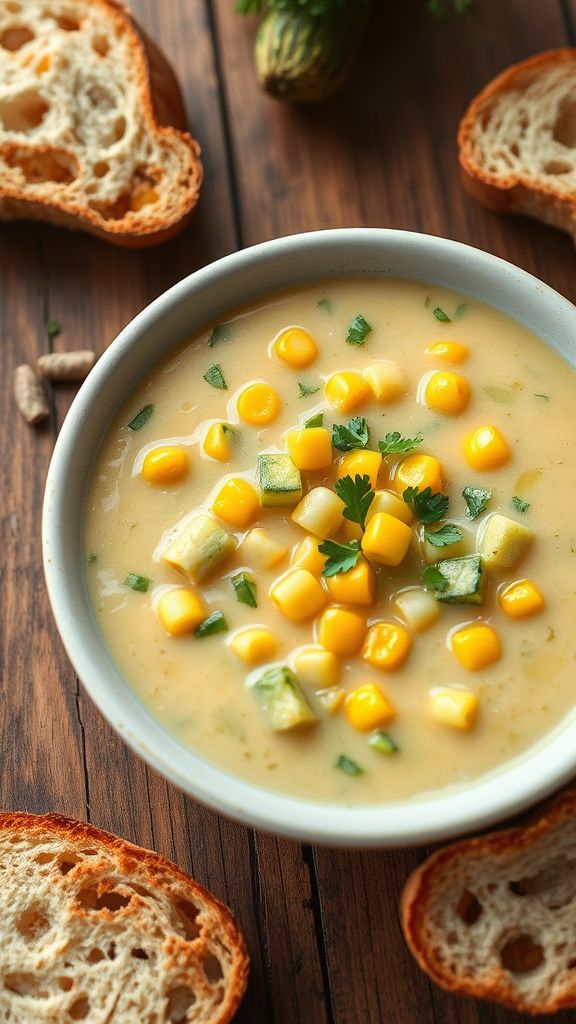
(136,582)
(92,558)
(447,534)
(518,504)
(219,334)
(357,495)
(476,499)
(315,421)
(215,623)
(141,418)
(53,328)
(383,742)
(340,557)
(441,315)
(358,331)
(394,443)
(433,579)
(355,435)
(215,377)
(460,310)
(427,507)
(245,588)
(348,766)
(307,389)
(504,396)
(545,397)
(326,305)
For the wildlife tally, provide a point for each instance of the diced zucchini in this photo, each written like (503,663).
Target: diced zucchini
(279,481)
(198,547)
(282,699)
(465,580)
(503,542)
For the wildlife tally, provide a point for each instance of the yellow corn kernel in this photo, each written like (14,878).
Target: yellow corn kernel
(341,631)
(181,610)
(367,708)
(386,380)
(331,699)
(258,404)
(357,586)
(310,448)
(476,646)
(346,390)
(447,392)
(352,531)
(298,594)
(307,555)
(317,667)
(451,351)
(320,512)
(485,448)
(458,708)
(217,443)
(361,462)
(387,646)
(260,550)
(386,501)
(165,465)
(254,645)
(237,502)
(296,347)
(419,471)
(521,599)
(145,197)
(386,539)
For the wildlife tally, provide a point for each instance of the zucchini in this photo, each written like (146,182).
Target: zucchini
(282,699)
(198,547)
(465,580)
(503,542)
(279,481)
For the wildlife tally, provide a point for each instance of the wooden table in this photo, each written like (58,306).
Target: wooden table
(321,925)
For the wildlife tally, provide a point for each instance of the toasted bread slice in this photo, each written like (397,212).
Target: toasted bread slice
(517,141)
(495,916)
(91,120)
(93,928)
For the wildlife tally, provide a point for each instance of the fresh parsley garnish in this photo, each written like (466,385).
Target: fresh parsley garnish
(447,534)
(427,507)
(518,504)
(307,389)
(476,499)
(53,328)
(355,435)
(358,331)
(315,421)
(348,766)
(219,333)
(326,305)
(245,589)
(136,582)
(215,623)
(357,495)
(440,315)
(215,377)
(394,442)
(340,557)
(433,579)
(460,310)
(141,418)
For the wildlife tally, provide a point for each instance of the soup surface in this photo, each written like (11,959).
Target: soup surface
(400,678)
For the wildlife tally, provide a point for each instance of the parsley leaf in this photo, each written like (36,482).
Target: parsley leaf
(357,495)
(358,331)
(326,305)
(394,442)
(348,766)
(245,589)
(215,377)
(340,557)
(433,579)
(427,507)
(220,333)
(136,582)
(141,418)
(215,623)
(518,504)
(441,315)
(447,534)
(307,389)
(476,499)
(355,435)
(315,421)
(460,310)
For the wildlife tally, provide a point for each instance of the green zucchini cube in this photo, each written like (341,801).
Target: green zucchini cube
(282,699)
(279,481)
(465,580)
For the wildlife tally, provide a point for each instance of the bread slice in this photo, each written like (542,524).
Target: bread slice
(495,916)
(93,928)
(90,124)
(517,141)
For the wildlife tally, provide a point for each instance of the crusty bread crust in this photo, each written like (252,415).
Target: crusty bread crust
(95,928)
(521,187)
(173,173)
(471,900)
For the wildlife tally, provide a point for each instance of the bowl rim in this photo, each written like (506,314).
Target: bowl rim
(451,811)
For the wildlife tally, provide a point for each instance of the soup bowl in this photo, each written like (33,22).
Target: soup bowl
(195,301)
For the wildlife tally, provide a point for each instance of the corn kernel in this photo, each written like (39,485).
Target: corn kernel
(217,443)
(165,465)
(361,462)
(357,586)
(320,512)
(310,448)
(485,448)
(254,645)
(237,502)
(449,706)
(258,404)
(317,667)
(386,539)
(341,631)
(331,699)
(446,392)
(260,550)
(419,471)
(180,610)
(521,599)
(296,347)
(451,351)
(386,501)
(307,555)
(298,595)
(367,708)
(387,646)
(346,390)
(417,607)
(476,646)
(386,380)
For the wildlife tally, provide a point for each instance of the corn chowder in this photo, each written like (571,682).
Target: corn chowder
(329,541)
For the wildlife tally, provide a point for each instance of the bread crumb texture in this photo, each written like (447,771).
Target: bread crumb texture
(94,929)
(86,108)
(495,917)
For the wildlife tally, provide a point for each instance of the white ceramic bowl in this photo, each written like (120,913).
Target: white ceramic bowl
(204,297)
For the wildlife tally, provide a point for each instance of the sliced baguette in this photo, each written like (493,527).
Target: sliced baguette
(91,120)
(517,141)
(93,928)
(495,916)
